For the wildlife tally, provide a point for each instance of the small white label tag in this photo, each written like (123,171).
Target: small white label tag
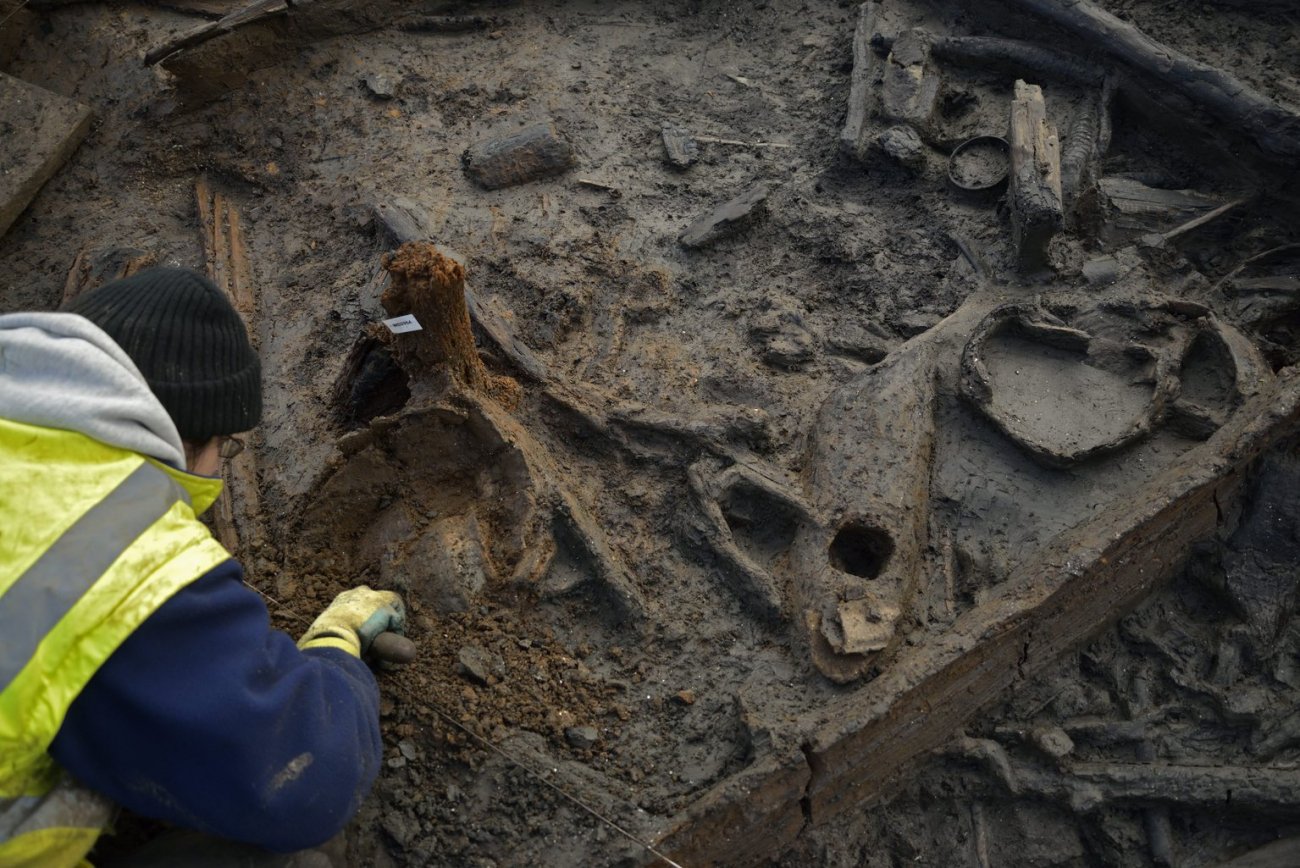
(399,324)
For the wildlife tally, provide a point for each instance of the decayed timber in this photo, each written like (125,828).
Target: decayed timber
(1084,581)
(224,254)
(95,267)
(259,11)
(855,575)
(910,90)
(865,64)
(1087,579)
(431,287)
(41,131)
(1037,211)
(210,8)
(401,220)
(1278,854)
(1135,209)
(220,56)
(1275,128)
(237,514)
(1085,145)
(1018,56)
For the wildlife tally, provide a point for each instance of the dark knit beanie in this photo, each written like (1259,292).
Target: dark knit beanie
(190,344)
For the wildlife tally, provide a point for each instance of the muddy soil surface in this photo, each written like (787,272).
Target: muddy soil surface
(643,705)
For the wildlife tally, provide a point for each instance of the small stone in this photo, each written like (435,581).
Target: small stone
(1101,271)
(380,85)
(1054,742)
(686,697)
(402,827)
(407,748)
(727,219)
(1107,269)
(680,147)
(482,666)
(397,762)
(904,146)
(581,737)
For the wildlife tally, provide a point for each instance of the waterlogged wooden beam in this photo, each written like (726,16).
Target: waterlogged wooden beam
(236,516)
(1087,580)
(858,748)
(40,131)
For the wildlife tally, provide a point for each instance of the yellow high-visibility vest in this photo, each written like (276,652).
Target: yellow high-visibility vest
(93,539)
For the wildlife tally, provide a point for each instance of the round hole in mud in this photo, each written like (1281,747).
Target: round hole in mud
(861,550)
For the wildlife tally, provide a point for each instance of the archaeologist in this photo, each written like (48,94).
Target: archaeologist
(136,668)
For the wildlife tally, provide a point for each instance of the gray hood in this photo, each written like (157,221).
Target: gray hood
(59,370)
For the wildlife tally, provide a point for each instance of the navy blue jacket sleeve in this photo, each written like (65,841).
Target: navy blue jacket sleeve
(209,719)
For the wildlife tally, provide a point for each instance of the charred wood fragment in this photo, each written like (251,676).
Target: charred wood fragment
(536,152)
(727,219)
(680,148)
(371,383)
(1019,57)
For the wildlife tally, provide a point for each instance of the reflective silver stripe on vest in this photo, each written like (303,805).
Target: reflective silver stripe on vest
(35,603)
(69,805)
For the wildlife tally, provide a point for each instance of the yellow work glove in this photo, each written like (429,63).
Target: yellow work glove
(354,619)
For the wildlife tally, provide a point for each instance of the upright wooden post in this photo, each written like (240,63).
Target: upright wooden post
(1037,212)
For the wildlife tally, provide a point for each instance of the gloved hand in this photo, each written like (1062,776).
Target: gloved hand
(354,619)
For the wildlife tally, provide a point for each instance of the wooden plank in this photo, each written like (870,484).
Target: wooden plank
(1037,210)
(94,267)
(237,514)
(207,228)
(860,82)
(241,284)
(1134,209)
(39,130)
(221,246)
